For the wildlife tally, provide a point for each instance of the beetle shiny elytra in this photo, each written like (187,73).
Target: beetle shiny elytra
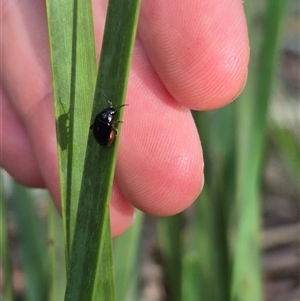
(103,128)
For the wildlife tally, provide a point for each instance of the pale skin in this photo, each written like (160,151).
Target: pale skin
(188,55)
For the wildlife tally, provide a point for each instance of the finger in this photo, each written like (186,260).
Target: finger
(17,157)
(198,48)
(121,212)
(160,164)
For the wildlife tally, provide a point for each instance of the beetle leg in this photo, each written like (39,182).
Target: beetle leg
(115,130)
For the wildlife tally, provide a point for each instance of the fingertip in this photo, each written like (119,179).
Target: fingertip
(121,212)
(179,187)
(160,163)
(181,192)
(199,49)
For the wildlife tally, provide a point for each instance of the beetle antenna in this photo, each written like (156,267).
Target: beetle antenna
(125,104)
(110,103)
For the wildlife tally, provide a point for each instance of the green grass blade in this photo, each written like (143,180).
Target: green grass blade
(251,118)
(169,231)
(289,148)
(205,273)
(33,244)
(191,281)
(104,287)
(92,233)
(207,255)
(5,260)
(126,271)
(57,265)
(74,71)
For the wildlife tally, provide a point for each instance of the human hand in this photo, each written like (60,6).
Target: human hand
(188,55)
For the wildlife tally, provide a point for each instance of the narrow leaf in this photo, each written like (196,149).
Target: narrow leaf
(73,61)
(127,271)
(33,244)
(5,260)
(92,236)
(169,231)
(251,119)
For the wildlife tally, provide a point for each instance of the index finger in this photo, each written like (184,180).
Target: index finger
(199,49)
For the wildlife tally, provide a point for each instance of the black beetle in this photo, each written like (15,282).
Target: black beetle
(104,130)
